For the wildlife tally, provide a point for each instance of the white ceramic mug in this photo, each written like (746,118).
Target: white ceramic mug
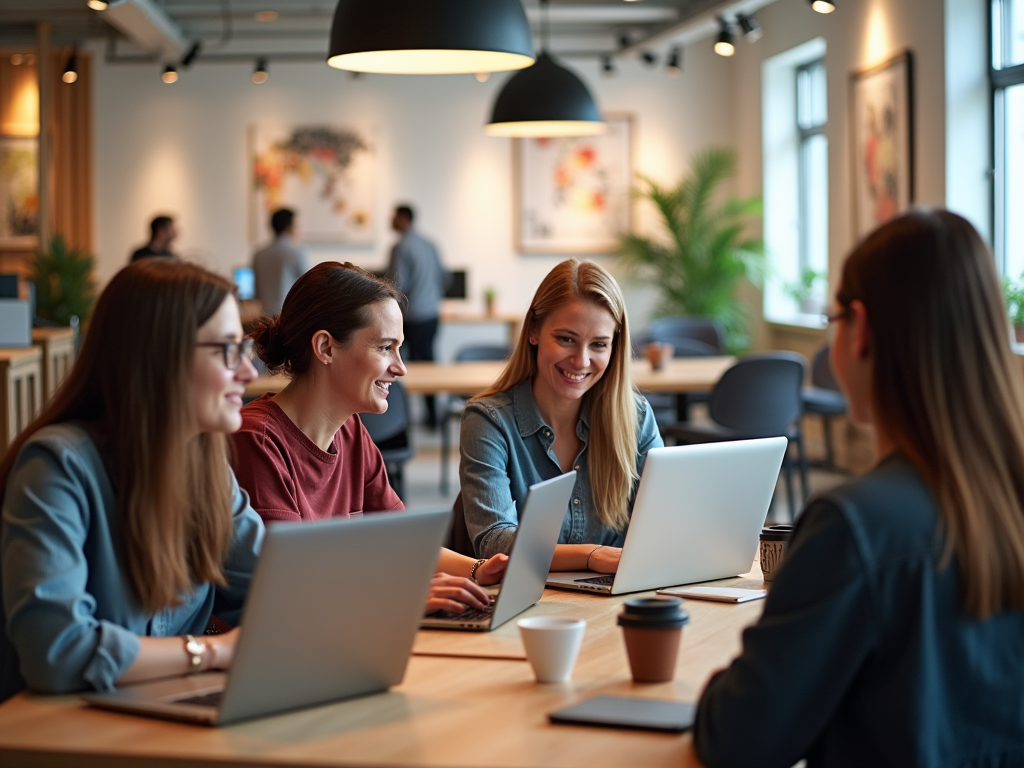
(552,645)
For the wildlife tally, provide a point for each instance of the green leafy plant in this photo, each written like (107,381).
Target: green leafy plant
(703,251)
(802,291)
(64,284)
(1013,295)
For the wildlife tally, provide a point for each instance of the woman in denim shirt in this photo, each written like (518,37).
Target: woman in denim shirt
(123,528)
(565,401)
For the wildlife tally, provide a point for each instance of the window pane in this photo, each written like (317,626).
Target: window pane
(1008,33)
(816,208)
(812,107)
(1013,181)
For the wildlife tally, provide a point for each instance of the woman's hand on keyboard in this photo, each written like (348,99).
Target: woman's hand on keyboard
(454,593)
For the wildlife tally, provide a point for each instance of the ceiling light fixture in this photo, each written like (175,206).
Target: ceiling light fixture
(442,37)
(98,5)
(260,74)
(822,6)
(544,100)
(190,56)
(726,43)
(482,77)
(170,74)
(607,65)
(674,66)
(71,68)
(648,58)
(750,27)
(17,59)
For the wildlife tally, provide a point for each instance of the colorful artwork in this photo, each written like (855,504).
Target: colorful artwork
(883,143)
(573,194)
(323,173)
(19,192)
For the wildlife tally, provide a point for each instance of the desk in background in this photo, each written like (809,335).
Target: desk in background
(21,390)
(58,346)
(476,710)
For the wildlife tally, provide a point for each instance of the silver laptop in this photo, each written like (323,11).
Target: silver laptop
(540,521)
(698,512)
(323,621)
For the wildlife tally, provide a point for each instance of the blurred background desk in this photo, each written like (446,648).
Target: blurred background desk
(449,711)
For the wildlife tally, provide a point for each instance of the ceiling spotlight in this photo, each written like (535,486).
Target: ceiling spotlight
(16,59)
(259,75)
(752,31)
(648,58)
(822,6)
(98,5)
(624,41)
(607,65)
(482,77)
(726,43)
(71,68)
(674,66)
(190,56)
(170,74)
(266,15)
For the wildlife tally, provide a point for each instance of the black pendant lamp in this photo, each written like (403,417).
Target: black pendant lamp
(430,37)
(545,100)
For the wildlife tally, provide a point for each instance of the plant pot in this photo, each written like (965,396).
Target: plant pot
(1018,333)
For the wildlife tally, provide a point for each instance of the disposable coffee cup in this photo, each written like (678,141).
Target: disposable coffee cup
(773,548)
(552,644)
(658,353)
(653,628)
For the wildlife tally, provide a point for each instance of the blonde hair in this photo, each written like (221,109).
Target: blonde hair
(949,390)
(613,409)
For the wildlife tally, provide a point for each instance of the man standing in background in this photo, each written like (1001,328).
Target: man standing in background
(161,235)
(280,264)
(417,271)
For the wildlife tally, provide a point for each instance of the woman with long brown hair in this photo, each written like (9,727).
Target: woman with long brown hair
(565,401)
(893,634)
(123,527)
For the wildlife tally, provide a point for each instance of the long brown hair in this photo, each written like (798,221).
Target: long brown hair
(132,385)
(332,297)
(613,409)
(947,387)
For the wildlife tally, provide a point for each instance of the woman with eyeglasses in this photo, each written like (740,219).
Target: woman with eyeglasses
(303,454)
(893,634)
(123,528)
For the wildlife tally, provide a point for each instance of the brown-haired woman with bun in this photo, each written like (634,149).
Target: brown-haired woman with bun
(303,454)
(123,527)
(893,634)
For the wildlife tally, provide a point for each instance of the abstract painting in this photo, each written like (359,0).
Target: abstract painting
(572,195)
(883,142)
(324,173)
(19,192)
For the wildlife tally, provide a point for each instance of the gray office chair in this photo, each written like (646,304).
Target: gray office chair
(453,411)
(390,433)
(760,396)
(824,398)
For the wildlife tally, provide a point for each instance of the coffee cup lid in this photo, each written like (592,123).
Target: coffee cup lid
(776,533)
(660,606)
(653,613)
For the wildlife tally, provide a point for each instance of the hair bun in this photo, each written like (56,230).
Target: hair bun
(269,344)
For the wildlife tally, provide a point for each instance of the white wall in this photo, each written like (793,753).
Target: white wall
(181,149)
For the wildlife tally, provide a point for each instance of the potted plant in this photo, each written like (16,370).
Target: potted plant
(490,296)
(803,292)
(703,251)
(65,288)
(1013,295)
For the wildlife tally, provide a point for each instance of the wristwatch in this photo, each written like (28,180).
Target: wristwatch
(476,565)
(196,650)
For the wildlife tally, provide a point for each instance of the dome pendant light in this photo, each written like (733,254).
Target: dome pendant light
(545,100)
(439,37)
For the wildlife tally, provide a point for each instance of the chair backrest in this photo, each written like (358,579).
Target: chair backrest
(480,352)
(760,395)
(394,421)
(681,346)
(822,374)
(702,329)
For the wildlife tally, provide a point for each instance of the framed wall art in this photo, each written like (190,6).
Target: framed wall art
(882,130)
(19,192)
(572,195)
(324,173)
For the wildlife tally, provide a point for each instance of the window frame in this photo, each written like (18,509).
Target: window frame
(1000,78)
(805,136)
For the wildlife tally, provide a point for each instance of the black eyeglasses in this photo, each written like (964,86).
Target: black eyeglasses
(233,351)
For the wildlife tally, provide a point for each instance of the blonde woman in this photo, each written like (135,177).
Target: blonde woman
(565,401)
(894,631)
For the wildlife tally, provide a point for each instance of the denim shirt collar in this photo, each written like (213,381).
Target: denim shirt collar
(528,418)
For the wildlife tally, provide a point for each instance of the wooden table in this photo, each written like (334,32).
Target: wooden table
(685,374)
(58,346)
(21,390)
(468,711)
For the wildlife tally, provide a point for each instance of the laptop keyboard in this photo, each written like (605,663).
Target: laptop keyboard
(203,700)
(470,614)
(603,580)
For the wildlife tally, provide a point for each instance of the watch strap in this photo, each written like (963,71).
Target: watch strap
(476,566)
(196,650)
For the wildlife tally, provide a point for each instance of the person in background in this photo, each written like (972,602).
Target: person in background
(565,401)
(303,454)
(893,634)
(278,265)
(123,528)
(161,234)
(417,271)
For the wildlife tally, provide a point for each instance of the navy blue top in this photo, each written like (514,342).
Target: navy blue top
(864,655)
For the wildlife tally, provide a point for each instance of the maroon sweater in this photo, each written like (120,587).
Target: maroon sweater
(289,478)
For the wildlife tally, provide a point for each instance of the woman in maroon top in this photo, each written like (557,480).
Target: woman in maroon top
(304,454)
